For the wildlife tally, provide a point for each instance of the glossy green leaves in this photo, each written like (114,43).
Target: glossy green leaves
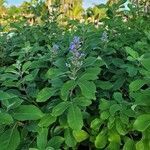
(74,117)
(93,94)
(10,139)
(88,89)
(60,108)
(6,95)
(132,53)
(47,120)
(142,122)
(27,112)
(90,74)
(67,89)
(42,138)
(45,94)
(101,140)
(5,119)
(80,135)
(137,84)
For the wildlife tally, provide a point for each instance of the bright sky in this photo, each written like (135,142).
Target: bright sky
(86,3)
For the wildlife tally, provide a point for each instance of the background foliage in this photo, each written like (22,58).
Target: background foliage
(76,86)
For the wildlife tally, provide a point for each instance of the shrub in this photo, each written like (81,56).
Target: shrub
(86,87)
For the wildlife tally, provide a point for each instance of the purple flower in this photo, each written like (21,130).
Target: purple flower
(76,40)
(76,59)
(75,44)
(72,46)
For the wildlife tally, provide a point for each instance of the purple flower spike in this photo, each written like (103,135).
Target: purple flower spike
(76,40)
(75,44)
(75,61)
(72,46)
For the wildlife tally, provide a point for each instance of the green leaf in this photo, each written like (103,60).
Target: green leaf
(27,112)
(146,63)
(96,124)
(120,127)
(129,112)
(142,122)
(114,108)
(118,62)
(140,145)
(90,61)
(82,101)
(131,69)
(104,104)
(45,94)
(80,135)
(124,119)
(60,63)
(10,139)
(114,136)
(5,119)
(26,65)
(147,33)
(57,83)
(11,69)
(30,77)
(136,85)
(129,145)
(47,120)
(56,142)
(42,138)
(12,103)
(101,140)
(69,138)
(118,83)
(104,115)
(67,87)
(118,97)
(105,85)
(74,117)
(90,74)
(60,108)
(111,121)
(53,73)
(113,146)
(141,98)
(131,52)
(6,96)
(88,89)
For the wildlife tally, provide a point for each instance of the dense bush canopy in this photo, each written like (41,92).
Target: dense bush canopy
(76,86)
